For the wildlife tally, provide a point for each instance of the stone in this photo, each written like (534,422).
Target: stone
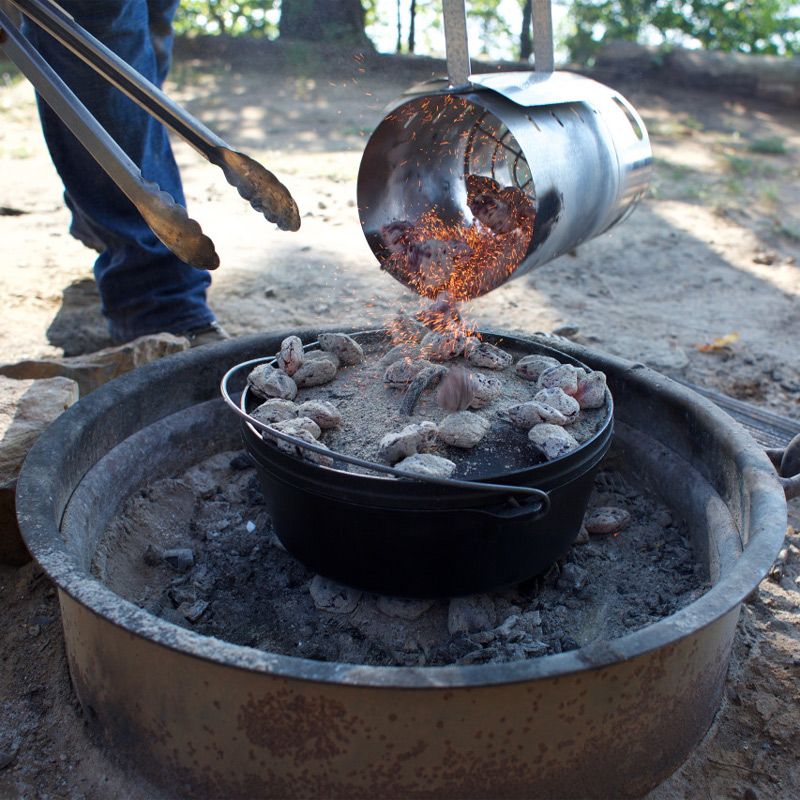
(531,367)
(552,441)
(290,356)
(412,439)
(333,597)
(324,413)
(488,356)
(572,577)
(471,614)
(344,347)
(427,464)
(463,429)
(27,407)
(181,559)
(400,373)
(92,370)
(591,391)
(275,410)
(266,381)
(403,607)
(559,400)
(526,415)
(564,376)
(485,389)
(604,520)
(315,372)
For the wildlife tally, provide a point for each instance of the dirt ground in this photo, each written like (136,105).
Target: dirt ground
(713,250)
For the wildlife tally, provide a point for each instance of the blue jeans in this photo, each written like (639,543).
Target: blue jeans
(144,288)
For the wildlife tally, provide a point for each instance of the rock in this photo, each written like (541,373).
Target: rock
(333,597)
(531,367)
(564,376)
(290,357)
(266,381)
(275,410)
(293,427)
(560,401)
(463,429)
(403,607)
(471,614)
(410,440)
(181,559)
(526,415)
(27,407)
(591,391)
(325,414)
(572,577)
(552,440)
(488,356)
(94,369)
(485,389)
(605,520)
(427,464)
(315,372)
(344,347)
(455,390)
(442,346)
(402,372)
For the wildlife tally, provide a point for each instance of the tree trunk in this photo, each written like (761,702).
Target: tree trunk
(399,45)
(525,46)
(412,26)
(333,20)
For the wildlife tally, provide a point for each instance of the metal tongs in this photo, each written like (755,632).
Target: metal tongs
(168,219)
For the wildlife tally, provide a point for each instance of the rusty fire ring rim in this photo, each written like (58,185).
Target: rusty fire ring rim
(40,525)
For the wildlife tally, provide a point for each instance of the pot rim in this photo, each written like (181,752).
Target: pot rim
(38,494)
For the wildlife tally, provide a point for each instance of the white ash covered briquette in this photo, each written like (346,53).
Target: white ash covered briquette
(401,373)
(325,414)
(399,351)
(485,389)
(552,441)
(443,346)
(292,427)
(463,429)
(455,391)
(322,355)
(275,410)
(412,439)
(315,372)
(486,355)
(605,520)
(290,356)
(531,367)
(344,347)
(266,381)
(564,376)
(591,391)
(527,415)
(559,400)
(427,464)
(299,451)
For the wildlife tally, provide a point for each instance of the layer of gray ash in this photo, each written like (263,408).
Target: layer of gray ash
(199,550)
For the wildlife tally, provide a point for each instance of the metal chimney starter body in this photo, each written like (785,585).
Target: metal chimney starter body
(576,148)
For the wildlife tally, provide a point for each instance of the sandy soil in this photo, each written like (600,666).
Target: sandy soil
(713,250)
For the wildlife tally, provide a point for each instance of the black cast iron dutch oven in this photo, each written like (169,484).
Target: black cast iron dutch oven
(423,538)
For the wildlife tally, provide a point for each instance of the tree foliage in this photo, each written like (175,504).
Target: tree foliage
(745,26)
(230,17)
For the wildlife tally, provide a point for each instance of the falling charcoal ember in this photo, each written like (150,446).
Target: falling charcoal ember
(395,236)
(443,346)
(455,390)
(412,439)
(527,415)
(560,401)
(485,389)
(428,465)
(487,356)
(405,329)
(325,414)
(591,391)
(442,314)
(315,372)
(266,381)
(564,376)
(424,379)
(275,410)
(531,367)
(463,429)
(434,261)
(401,373)
(606,520)
(344,347)
(552,441)
(502,210)
(290,357)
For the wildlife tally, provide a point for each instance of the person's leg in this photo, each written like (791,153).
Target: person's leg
(143,286)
